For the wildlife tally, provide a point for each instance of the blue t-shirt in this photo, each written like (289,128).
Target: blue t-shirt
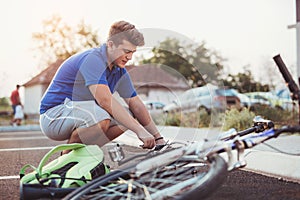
(81,70)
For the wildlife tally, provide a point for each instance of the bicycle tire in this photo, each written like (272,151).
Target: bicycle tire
(38,191)
(175,180)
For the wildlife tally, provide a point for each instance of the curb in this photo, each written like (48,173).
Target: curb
(282,166)
(20,128)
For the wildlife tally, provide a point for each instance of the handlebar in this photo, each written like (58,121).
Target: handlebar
(259,125)
(263,129)
(287,129)
(253,140)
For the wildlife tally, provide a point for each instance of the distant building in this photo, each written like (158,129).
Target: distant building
(151,82)
(36,87)
(156,84)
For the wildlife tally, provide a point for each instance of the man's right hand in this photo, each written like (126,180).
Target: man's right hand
(147,139)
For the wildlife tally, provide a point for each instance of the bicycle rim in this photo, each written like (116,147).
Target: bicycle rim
(183,179)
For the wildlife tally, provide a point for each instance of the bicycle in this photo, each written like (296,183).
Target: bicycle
(192,171)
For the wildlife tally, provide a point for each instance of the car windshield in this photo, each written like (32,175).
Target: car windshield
(226,92)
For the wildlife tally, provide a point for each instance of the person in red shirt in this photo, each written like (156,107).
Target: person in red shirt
(15,101)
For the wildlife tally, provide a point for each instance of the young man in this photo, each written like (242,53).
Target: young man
(15,98)
(15,101)
(79,107)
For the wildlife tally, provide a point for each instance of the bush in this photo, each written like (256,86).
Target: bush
(173,119)
(238,119)
(277,115)
(204,118)
(4,101)
(197,119)
(233,118)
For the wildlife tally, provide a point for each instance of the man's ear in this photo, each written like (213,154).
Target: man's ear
(110,43)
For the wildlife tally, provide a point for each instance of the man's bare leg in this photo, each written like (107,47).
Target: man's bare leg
(90,135)
(98,134)
(115,131)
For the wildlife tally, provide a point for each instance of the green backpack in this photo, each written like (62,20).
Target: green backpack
(83,164)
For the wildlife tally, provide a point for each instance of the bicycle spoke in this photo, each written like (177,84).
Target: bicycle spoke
(164,182)
(151,184)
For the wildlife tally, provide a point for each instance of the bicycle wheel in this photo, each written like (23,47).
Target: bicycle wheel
(186,178)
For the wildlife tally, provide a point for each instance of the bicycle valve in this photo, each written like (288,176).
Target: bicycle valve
(116,153)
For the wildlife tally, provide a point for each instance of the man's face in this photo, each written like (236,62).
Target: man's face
(121,54)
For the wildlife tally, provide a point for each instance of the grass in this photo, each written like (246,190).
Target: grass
(232,118)
(6,116)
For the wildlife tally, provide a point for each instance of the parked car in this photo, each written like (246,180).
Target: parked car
(266,98)
(229,97)
(208,97)
(154,107)
(245,100)
(285,98)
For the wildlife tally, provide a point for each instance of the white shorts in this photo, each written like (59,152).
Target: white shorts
(60,121)
(19,114)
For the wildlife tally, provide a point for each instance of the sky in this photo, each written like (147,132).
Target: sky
(244,32)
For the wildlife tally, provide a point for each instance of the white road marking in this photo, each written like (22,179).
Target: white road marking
(9,177)
(23,138)
(21,133)
(7,138)
(26,149)
(21,149)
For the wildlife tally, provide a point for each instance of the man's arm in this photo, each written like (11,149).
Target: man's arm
(18,99)
(139,110)
(105,99)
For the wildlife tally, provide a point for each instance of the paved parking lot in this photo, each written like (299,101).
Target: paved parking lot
(20,148)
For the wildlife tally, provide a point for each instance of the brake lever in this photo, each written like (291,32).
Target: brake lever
(159,147)
(262,124)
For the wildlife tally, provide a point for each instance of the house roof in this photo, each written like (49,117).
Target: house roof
(142,76)
(155,76)
(45,76)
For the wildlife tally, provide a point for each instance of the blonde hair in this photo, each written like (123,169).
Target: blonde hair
(123,30)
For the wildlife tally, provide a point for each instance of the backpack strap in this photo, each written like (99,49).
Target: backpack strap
(55,150)
(22,170)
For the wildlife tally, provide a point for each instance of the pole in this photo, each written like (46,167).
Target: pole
(298,38)
(298,47)
(297,26)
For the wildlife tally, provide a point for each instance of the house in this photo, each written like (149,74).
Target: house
(156,84)
(151,82)
(36,87)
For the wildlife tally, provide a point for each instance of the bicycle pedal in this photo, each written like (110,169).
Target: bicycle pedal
(239,164)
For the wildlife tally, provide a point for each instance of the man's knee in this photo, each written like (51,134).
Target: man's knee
(104,125)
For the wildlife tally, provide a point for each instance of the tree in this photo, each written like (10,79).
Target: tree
(195,62)
(59,40)
(244,82)
(4,101)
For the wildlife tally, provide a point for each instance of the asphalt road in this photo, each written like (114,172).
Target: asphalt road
(20,148)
